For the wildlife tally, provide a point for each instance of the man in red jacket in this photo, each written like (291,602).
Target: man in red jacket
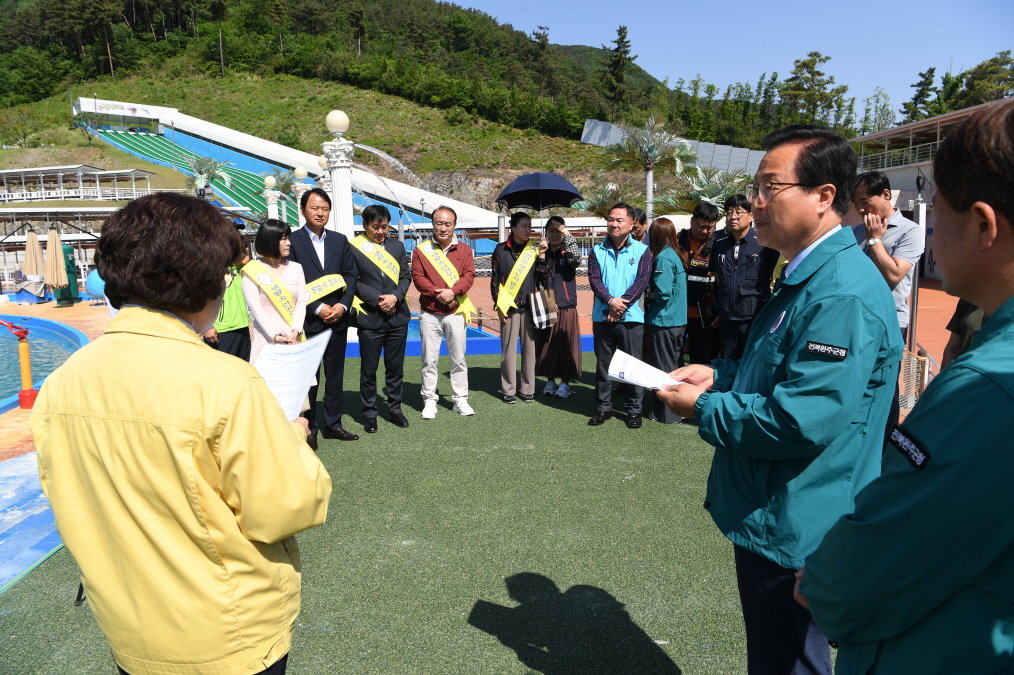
(443,270)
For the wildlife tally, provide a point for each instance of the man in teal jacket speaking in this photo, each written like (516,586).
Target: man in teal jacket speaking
(798,422)
(920,577)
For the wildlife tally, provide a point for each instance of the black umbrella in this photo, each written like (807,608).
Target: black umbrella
(538,191)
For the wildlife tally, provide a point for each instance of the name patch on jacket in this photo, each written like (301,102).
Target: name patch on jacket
(837,353)
(909,447)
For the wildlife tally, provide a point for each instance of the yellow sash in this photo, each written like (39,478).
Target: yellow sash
(325,285)
(265,278)
(445,268)
(508,292)
(378,255)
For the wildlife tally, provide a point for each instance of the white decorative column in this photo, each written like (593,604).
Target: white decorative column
(339,165)
(271,196)
(299,188)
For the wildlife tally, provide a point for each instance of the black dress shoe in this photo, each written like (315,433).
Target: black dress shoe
(370,425)
(599,417)
(399,420)
(634,421)
(312,442)
(340,433)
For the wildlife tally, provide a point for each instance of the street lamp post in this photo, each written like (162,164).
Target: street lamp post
(339,165)
(271,196)
(299,188)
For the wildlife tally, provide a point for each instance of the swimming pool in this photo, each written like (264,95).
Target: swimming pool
(51,343)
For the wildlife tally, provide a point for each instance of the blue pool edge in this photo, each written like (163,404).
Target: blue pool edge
(69,332)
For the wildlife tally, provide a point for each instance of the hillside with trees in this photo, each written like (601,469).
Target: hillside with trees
(442,56)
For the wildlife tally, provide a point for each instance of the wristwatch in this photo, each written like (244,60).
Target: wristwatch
(875,240)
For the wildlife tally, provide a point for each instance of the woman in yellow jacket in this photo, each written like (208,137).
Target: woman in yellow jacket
(175,479)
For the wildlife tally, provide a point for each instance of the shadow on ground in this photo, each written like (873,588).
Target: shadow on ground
(581,630)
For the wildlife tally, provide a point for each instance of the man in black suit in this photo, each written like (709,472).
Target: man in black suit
(323,253)
(383,321)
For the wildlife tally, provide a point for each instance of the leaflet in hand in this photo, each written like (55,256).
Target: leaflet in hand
(289,370)
(625,368)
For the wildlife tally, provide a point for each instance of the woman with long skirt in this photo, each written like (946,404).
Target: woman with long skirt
(559,346)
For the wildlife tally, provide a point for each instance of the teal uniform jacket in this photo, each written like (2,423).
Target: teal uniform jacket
(667,306)
(920,578)
(798,422)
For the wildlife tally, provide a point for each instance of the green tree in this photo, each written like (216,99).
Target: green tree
(205,170)
(878,113)
(704,184)
(918,107)
(219,11)
(17,125)
(614,75)
(810,94)
(991,80)
(599,200)
(85,122)
(648,148)
(946,99)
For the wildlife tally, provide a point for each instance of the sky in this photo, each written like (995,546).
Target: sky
(871,44)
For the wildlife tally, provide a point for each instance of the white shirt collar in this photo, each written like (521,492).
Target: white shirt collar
(801,256)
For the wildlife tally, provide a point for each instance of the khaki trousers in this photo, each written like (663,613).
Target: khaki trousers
(434,328)
(517,326)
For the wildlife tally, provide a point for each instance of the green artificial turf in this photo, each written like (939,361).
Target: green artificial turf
(426,521)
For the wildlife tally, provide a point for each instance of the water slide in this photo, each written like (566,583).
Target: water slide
(168,136)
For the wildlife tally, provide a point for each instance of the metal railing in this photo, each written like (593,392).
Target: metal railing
(93,193)
(915,154)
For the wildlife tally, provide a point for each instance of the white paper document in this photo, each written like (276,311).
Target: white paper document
(625,368)
(289,370)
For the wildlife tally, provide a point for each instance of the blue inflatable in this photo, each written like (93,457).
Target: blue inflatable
(95,287)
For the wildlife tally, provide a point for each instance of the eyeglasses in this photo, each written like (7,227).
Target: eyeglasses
(736,213)
(766,189)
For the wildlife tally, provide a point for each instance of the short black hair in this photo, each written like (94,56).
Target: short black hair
(738,202)
(517,216)
(825,158)
(268,236)
(707,212)
(873,182)
(320,192)
(640,216)
(631,211)
(168,251)
(556,219)
(375,213)
(975,163)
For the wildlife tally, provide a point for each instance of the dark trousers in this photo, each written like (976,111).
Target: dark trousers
(663,349)
(781,636)
(278,668)
(608,337)
(392,341)
(333,365)
(701,342)
(235,342)
(732,338)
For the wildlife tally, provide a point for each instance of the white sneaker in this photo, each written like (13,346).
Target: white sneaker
(429,410)
(462,408)
(563,391)
(549,389)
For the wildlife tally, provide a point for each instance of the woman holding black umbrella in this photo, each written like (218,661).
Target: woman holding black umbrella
(511,282)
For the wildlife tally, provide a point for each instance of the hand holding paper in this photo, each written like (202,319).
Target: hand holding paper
(625,368)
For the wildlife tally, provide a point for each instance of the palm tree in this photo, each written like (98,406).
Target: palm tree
(706,184)
(650,148)
(284,180)
(599,200)
(205,170)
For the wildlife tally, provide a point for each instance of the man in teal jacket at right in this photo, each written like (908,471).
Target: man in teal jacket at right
(798,422)
(920,577)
